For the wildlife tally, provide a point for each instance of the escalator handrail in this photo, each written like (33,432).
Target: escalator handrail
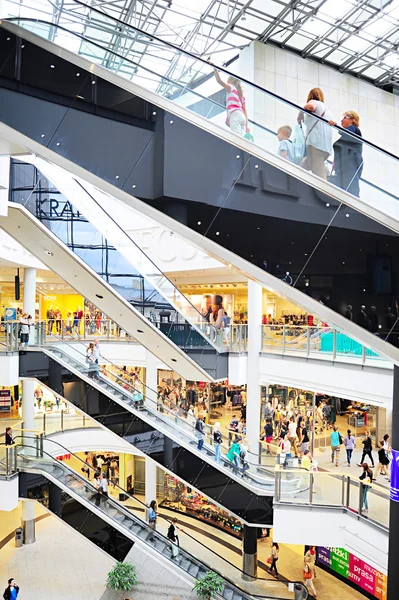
(223,69)
(202,321)
(192,91)
(132,515)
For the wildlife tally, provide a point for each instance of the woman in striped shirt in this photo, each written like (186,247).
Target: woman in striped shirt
(237,117)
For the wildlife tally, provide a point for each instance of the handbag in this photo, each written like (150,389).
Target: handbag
(341,441)
(269,560)
(307,574)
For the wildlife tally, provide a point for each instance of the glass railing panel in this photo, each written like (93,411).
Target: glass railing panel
(267,112)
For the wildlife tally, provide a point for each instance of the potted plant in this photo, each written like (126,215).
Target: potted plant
(122,577)
(208,585)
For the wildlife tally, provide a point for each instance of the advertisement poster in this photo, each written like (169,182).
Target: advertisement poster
(10,314)
(394,490)
(199,301)
(361,574)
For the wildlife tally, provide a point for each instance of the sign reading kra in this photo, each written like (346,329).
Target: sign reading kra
(58,209)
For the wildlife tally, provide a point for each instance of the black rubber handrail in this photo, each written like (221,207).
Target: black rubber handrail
(209,63)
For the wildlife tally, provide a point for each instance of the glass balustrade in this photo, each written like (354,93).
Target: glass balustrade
(333,490)
(197,85)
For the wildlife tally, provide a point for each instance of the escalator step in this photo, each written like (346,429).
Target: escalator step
(228,593)
(185,564)
(193,570)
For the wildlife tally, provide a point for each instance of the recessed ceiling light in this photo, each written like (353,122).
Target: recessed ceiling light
(217,233)
(140,331)
(49,253)
(171,122)
(328,204)
(347,215)
(77,74)
(173,360)
(238,156)
(154,113)
(199,223)
(52,66)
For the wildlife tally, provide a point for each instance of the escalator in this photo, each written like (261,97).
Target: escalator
(115,526)
(225,190)
(78,220)
(162,435)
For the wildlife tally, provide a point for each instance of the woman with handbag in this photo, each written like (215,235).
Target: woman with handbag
(366,478)
(273,558)
(308,576)
(318,140)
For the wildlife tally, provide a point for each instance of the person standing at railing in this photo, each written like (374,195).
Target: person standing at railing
(50,315)
(199,433)
(9,438)
(68,324)
(25,324)
(225,324)
(236,107)
(318,140)
(336,441)
(152,518)
(349,443)
(348,157)
(366,479)
(217,441)
(58,320)
(292,435)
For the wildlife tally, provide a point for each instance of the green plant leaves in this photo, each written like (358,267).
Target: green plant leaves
(122,577)
(208,586)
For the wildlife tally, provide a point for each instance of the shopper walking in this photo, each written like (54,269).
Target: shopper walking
(268,434)
(173,538)
(367,449)
(12,590)
(383,461)
(318,138)
(97,485)
(199,432)
(273,558)
(236,107)
(292,435)
(152,518)
(217,441)
(349,443)
(233,455)
(336,441)
(366,479)
(285,446)
(308,576)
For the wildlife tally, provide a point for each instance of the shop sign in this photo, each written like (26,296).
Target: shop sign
(394,491)
(50,298)
(363,575)
(5,400)
(58,209)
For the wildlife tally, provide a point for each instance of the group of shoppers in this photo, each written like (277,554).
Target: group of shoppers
(316,141)
(371,320)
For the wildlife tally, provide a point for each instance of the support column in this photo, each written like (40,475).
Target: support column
(151,377)
(393,552)
(253,387)
(250,553)
(29,299)
(28,413)
(150,480)
(28,521)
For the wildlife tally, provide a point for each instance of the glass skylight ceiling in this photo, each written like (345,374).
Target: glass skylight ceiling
(356,36)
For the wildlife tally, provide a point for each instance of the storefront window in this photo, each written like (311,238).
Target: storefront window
(179,498)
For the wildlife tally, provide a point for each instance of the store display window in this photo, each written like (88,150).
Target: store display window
(182,499)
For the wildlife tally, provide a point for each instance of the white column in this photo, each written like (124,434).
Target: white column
(253,387)
(151,376)
(150,480)
(28,416)
(29,299)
